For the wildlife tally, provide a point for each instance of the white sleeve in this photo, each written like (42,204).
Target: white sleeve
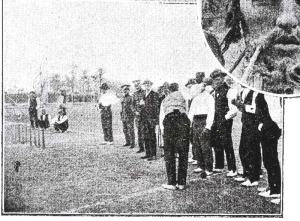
(232,108)
(65,118)
(185,93)
(192,110)
(211,112)
(161,117)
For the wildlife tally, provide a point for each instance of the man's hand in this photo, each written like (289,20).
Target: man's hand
(137,113)
(142,102)
(206,131)
(260,126)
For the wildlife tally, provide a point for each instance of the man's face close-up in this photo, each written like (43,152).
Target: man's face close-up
(217,82)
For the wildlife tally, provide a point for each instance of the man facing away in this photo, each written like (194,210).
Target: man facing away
(176,128)
(221,130)
(201,114)
(138,107)
(149,117)
(127,117)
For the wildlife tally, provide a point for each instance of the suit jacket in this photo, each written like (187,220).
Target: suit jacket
(127,113)
(270,129)
(151,109)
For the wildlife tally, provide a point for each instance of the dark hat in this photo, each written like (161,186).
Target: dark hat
(190,81)
(104,86)
(217,73)
(173,87)
(125,86)
(147,82)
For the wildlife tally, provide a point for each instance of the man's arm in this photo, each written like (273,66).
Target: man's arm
(211,112)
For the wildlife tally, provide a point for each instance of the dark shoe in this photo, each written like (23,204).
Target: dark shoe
(126,145)
(140,151)
(145,157)
(151,158)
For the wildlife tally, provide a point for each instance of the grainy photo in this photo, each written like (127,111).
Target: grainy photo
(119,109)
(257,41)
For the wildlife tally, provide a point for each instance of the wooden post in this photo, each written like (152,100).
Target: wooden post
(43,138)
(38,138)
(30,135)
(19,133)
(25,133)
(34,137)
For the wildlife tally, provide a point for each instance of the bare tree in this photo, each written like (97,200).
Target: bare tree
(72,80)
(56,83)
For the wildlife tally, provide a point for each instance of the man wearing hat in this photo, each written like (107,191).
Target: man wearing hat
(138,107)
(149,117)
(61,122)
(105,103)
(221,129)
(199,77)
(127,117)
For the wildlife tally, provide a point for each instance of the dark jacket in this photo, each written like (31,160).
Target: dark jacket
(151,109)
(221,103)
(127,112)
(270,129)
(137,97)
(44,123)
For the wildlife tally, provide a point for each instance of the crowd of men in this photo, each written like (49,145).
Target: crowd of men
(200,115)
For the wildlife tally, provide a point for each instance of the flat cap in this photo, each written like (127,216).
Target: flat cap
(190,82)
(147,82)
(104,86)
(125,86)
(217,73)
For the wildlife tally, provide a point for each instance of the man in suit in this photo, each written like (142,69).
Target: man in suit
(221,129)
(249,149)
(270,133)
(33,106)
(138,107)
(127,117)
(150,117)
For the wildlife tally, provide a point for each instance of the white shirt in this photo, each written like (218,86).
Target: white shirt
(61,119)
(203,103)
(108,99)
(231,95)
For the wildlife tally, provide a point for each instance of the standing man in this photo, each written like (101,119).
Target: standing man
(201,115)
(138,107)
(33,106)
(127,117)
(270,133)
(222,126)
(105,103)
(150,117)
(249,149)
(176,127)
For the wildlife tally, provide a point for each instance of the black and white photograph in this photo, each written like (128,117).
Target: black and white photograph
(257,41)
(129,108)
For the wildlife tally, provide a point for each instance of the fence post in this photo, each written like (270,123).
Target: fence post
(19,133)
(34,137)
(26,133)
(43,138)
(38,136)
(30,137)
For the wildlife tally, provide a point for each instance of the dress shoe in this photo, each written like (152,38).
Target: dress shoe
(197,170)
(191,160)
(218,170)
(239,179)
(248,183)
(131,147)
(140,151)
(168,187)
(263,189)
(231,173)
(208,173)
(276,201)
(181,187)
(104,143)
(145,157)
(110,143)
(151,158)
(268,194)
(126,145)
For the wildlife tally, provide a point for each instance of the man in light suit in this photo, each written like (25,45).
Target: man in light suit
(149,117)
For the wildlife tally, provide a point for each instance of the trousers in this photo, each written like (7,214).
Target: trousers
(128,130)
(176,140)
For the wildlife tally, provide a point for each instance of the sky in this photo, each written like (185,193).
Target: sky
(129,40)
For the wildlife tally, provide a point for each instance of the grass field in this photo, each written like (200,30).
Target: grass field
(74,174)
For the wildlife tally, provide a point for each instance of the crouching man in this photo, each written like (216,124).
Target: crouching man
(61,121)
(176,129)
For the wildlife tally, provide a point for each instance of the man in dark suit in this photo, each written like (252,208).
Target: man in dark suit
(44,120)
(127,117)
(270,133)
(138,96)
(150,117)
(222,127)
(249,149)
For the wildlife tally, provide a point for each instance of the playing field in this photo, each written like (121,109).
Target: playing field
(74,174)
